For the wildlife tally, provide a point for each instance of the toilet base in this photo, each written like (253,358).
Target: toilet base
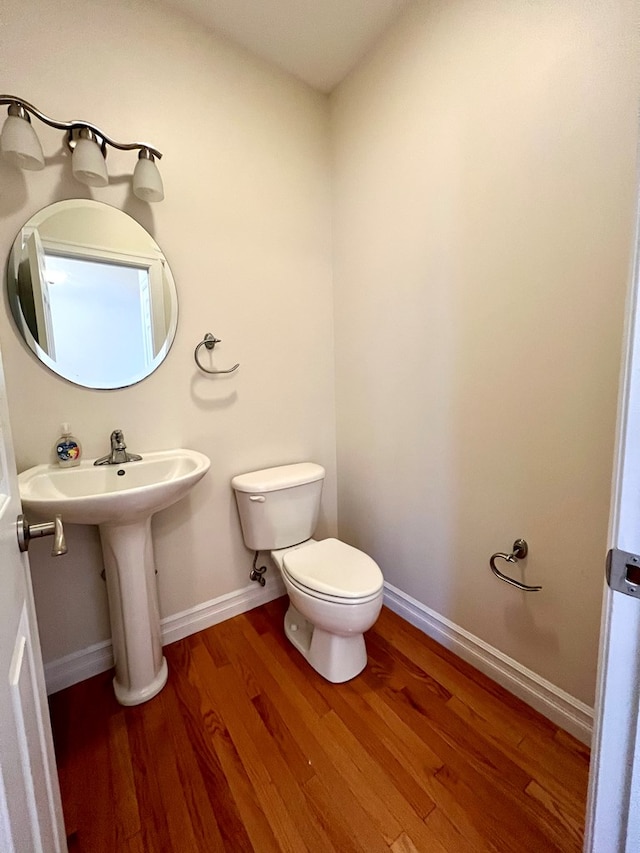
(336,658)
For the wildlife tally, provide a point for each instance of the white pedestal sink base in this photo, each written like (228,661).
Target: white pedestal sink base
(137,697)
(121,499)
(141,670)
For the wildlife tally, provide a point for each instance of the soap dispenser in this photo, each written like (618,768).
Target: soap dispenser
(68,449)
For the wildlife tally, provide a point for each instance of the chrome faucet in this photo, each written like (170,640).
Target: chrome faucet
(118,455)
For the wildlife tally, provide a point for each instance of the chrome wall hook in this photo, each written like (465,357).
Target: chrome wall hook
(520,551)
(209,341)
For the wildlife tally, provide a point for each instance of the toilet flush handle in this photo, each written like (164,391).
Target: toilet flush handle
(257,498)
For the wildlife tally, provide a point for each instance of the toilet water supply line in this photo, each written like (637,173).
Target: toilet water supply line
(257,572)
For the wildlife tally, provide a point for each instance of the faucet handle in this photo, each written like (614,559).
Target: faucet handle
(117,440)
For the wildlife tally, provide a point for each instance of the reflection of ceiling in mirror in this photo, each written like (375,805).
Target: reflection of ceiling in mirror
(110,228)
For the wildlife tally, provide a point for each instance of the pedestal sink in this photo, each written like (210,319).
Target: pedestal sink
(121,499)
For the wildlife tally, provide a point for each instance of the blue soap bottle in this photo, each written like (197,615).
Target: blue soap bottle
(68,449)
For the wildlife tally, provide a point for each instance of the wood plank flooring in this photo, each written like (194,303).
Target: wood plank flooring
(248,749)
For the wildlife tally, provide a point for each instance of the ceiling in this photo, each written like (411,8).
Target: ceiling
(318,41)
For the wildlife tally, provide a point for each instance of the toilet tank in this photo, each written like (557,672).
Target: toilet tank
(279,506)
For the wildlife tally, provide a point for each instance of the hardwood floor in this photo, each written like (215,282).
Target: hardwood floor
(248,749)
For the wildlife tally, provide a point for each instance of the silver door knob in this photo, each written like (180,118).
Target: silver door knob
(27,532)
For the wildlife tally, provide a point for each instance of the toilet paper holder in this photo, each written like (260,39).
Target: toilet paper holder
(520,551)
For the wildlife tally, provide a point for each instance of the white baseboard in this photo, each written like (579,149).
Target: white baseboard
(70,669)
(85,663)
(564,710)
(561,708)
(212,612)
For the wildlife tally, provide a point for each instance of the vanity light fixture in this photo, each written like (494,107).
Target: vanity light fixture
(21,147)
(147,183)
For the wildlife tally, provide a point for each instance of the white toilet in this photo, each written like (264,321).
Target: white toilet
(335,591)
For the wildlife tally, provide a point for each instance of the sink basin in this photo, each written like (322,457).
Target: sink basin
(111,494)
(121,499)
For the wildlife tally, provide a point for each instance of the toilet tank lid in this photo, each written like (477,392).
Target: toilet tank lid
(282,477)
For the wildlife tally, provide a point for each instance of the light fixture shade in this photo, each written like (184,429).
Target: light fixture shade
(20,145)
(88,164)
(147,183)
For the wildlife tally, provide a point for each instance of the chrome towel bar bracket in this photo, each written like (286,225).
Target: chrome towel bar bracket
(520,551)
(209,341)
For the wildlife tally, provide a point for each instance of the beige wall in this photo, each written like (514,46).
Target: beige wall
(484,185)
(246,228)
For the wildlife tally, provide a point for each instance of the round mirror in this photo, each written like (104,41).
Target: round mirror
(92,294)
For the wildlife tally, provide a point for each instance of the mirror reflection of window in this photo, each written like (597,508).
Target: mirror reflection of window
(100,317)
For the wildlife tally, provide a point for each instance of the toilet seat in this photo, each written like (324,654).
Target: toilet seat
(331,570)
(330,599)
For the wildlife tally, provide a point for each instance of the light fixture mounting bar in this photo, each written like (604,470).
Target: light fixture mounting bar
(76,125)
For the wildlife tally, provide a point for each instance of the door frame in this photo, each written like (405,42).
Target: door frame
(614,778)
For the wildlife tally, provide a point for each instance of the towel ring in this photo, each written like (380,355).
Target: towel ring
(209,341)
(520,551)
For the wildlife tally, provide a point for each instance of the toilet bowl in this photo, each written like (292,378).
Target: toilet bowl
(335,594)
(335,591)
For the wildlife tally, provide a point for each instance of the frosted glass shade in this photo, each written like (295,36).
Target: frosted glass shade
(88,165)
(20,145)
(147,183)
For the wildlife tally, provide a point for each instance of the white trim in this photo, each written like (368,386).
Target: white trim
(212,612)
(71,249)
(558,706)
(68,670)
(563,709)
(614,783)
